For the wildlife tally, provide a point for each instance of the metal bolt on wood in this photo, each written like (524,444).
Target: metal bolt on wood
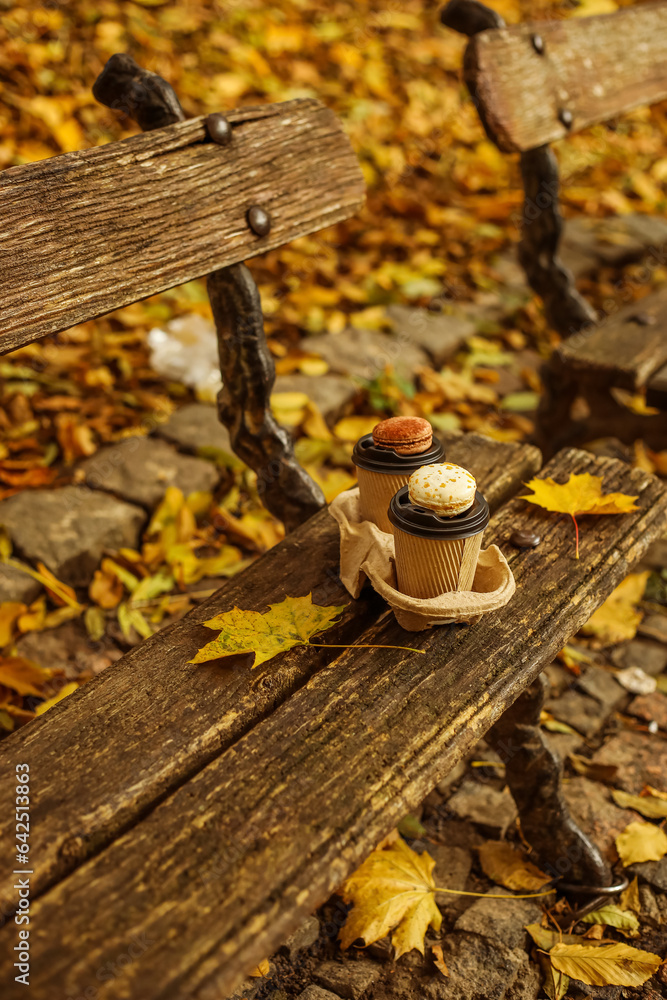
(219,129)
(259,220)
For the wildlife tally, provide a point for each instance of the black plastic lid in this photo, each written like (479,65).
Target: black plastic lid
(408,517)
(388,462)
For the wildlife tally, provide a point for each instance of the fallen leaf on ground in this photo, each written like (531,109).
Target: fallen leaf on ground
(641,842)
(23,676)
(606,773)
(605,965)
(393,890)
(64,692)
(581,494)
(629,898)
(618,618)
(290,623)
(646,805)
(554,725)
(635,680)
(545,938)
(506,866)
(438,959)
(614,916)
(262,969)
(10,612)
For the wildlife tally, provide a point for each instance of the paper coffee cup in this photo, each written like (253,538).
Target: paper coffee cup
(381,472)
(435,554)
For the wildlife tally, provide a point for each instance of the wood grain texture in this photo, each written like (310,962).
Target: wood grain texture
(595,68)
(150,721)
(84,233)
(624,350)
(217,875)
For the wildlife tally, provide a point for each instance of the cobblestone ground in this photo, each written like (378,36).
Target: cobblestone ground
(486,948)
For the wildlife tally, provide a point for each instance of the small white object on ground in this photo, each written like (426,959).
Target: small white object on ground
(187,351)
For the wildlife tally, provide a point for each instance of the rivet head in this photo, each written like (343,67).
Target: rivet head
(565,117)
(538,43)
(525,539)
(259,220)
(219,129)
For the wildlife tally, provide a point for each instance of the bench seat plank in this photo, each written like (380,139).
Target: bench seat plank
(624,350)
(596,68)
(86,232)
(111,751)
(219,873)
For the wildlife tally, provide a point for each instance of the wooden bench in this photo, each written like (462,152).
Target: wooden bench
(537,83)
(184,818)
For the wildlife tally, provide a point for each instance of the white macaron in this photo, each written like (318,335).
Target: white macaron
(446,489)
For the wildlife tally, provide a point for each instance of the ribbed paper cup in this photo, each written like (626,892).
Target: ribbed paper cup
(436,555)
(375,493)
(382,472)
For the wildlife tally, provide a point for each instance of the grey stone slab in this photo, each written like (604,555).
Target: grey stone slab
(641,759)
(647,654)
(653,872)
(17,586)
(583,713)
(195,426)
(500,920)
(348,979)
(483,804)
(366,353)
(592,807)
(479,969)
(69,529)
(313,992)
(588,243)
(141,469)
(331,394)
(439,334)
(601,685)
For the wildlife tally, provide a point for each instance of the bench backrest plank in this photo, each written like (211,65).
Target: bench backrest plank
(626,349)
(594,68)
(84,233)
(162,739)
(217,875)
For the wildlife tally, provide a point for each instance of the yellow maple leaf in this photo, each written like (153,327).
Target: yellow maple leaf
(618,618)
(605,965)
(509,868)
(641,842)
(581,494)
(393,890)
(290,623)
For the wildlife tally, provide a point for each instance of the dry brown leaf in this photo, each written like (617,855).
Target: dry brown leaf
(506,866)
(438,959)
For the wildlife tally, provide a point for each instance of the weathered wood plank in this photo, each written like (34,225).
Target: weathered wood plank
(219,873)
(84,233)
(626,349)
(107,754)
(594,68)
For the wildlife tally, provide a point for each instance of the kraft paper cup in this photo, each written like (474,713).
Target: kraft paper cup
(381,472)
(434,554)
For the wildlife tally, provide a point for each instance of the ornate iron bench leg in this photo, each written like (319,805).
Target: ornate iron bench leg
(534,775)
(246,364)
(248,374)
